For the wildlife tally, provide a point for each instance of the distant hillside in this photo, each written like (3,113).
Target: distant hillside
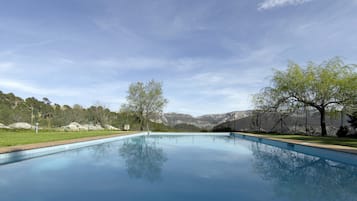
(289,123)
(204,121)
(186,127)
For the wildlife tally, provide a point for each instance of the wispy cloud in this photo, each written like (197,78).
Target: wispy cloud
(269,4)
(214,91)
(248,77)
(146,63)
(65,61)
(209,57)
(210,100)
(4,53)
(131,63)
(5,66)
(32,89)
(110,94)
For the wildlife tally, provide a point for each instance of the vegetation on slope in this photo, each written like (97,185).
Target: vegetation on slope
(47,114)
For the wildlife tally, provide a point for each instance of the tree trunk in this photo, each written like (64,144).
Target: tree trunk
(141,125)
(147,126)
(141,118)
(322,121)
(48,123)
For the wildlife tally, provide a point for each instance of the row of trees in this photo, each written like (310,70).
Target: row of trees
(15,109)
(329,86)
(145,102)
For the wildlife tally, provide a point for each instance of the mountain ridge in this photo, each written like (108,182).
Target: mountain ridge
(207,121)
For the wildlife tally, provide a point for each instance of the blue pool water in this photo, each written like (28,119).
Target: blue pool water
(179,168)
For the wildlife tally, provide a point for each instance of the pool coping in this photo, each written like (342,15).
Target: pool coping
(338,148)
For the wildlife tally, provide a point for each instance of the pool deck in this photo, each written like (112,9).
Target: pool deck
(340,148)
(56,143)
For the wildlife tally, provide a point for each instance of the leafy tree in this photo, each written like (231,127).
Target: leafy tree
(47,111)
(98,114)
(146,101)
(46,101)
(326,86)
(77,114)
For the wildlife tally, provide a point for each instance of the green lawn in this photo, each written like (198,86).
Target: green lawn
(12,138)
(21,137)
(351,142)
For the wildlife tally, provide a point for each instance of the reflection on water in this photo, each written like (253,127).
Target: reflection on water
(143,158)
(297,176)
(154,168)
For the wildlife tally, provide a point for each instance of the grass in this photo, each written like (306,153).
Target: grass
(22,137)
(351,142)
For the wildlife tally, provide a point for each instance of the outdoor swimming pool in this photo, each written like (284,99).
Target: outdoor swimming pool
(179,168)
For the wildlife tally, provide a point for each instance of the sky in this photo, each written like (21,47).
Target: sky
(211,56)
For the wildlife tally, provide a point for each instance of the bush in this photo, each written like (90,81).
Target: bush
(222,129)
(342,131)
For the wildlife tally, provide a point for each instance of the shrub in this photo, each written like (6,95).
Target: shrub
(342,131)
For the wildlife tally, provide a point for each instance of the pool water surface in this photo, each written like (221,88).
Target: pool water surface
(179,168)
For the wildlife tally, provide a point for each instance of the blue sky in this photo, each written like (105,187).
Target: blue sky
(211,55)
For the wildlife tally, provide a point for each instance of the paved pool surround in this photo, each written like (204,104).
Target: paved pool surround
(321,151)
